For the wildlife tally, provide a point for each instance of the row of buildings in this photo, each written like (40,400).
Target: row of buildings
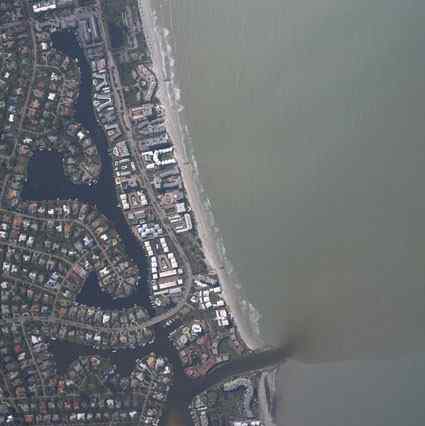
(72,234)
(47,253)
(102,97)
(55,89)
(40,395)
(165,269)
(16,67)
(207,337)
(81,160)
(42,6)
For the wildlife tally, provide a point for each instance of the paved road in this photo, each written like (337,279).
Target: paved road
(161,216)
(67,220)
(125,121)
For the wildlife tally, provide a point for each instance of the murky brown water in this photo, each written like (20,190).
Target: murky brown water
(308,124)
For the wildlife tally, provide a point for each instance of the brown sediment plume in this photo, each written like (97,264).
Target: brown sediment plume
(177,419)
(336,311)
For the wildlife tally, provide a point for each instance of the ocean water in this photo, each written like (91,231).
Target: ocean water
(307,119)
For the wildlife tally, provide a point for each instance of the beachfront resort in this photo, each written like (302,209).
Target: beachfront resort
(100,251)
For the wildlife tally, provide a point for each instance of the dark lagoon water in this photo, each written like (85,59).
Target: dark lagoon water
(46,180)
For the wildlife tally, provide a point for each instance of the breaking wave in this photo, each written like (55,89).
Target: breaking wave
(250,314)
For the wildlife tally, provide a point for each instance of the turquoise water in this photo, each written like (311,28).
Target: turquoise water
(308,127)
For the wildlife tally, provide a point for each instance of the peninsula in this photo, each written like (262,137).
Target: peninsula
(115,306)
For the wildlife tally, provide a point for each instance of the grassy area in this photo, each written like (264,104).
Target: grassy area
(193,247)
(114,9)
(132,99)
(225,347)
(126,69)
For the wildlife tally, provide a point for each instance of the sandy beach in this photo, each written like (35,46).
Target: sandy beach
(208,234)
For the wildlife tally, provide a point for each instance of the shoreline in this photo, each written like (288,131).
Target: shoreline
(207,231)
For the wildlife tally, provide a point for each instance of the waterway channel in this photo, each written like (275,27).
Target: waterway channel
(46,180)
